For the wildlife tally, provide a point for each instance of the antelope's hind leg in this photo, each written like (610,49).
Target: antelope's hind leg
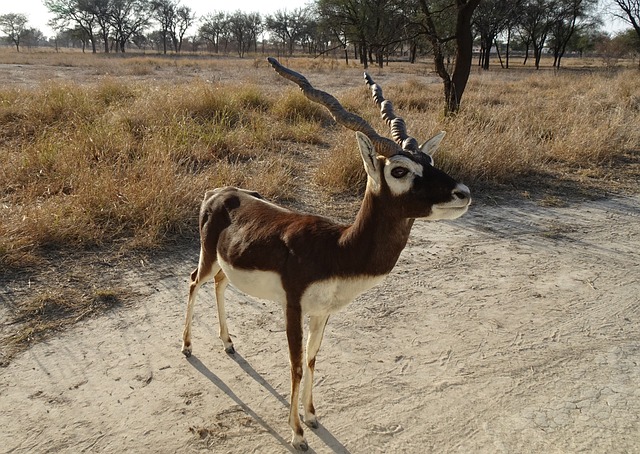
(221,282)
(205,272)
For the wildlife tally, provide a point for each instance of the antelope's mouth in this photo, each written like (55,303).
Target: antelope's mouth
(450,210)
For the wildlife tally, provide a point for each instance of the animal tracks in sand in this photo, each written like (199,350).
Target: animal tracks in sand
(515,328)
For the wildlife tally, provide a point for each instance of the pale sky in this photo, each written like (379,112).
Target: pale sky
(38,14)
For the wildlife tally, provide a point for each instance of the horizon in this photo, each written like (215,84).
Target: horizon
(38,15)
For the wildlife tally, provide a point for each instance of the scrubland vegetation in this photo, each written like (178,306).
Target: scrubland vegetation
(127,162)
(120,162)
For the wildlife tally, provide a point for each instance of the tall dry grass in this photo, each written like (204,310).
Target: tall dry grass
(511,127)
(126,162)
(92,165)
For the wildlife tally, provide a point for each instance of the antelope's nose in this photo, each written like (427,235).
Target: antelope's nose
(461,192)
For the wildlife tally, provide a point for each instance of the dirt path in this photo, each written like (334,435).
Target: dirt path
(513,329)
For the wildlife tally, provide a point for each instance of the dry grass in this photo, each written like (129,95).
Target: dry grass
(509,129)
(87,165)
(120,161)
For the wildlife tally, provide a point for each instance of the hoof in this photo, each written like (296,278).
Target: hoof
(311,421)
(230,350)
(300,445)
(186,351)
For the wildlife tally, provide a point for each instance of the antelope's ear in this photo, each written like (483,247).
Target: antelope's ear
(431,145)
(369,157)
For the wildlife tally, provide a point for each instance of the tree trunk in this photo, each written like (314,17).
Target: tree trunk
(464,54)
(508,44)
(486,50)
(498,52)
(537,54)
(455,85)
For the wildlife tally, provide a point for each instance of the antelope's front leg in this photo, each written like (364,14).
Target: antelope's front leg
(294,337)
(316,332)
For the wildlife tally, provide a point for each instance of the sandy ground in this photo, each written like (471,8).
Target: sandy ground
(513,329)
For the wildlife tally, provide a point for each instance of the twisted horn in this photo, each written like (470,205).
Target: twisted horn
(384,146)
(397,124)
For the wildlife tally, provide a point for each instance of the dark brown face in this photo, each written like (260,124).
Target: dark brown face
(422,190)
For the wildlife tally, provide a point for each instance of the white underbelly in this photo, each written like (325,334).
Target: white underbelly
(331,295)
(260,284)
(321,297)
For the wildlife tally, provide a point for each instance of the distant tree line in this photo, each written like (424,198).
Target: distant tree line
(370,31)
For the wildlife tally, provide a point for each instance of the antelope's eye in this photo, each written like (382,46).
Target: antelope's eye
(399,172)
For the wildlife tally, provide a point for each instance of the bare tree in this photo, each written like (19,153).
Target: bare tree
(14,26)
(628,11)
(183,19)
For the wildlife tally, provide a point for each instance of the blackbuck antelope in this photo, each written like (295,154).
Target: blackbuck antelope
(310,264)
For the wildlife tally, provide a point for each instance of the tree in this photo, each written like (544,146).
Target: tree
(571,15)
(73,11)
(536,20)
(14,26)
(72,37)
(215,27)
(491,18)
(255,28)
(128,18)
(344,20)
(372,26)
(628,11)
(439,33)
(33,37)
(289,26)
(385,29)
(585,39)
(164,11)
(629,40)
(244,29)
(100,10)
(183,19)
(624,44)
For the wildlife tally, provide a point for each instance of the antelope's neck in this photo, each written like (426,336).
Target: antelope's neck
(377,236)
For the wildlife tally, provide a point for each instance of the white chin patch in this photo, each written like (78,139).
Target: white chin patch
(446,212)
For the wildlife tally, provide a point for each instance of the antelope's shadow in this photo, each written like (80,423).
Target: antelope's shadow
(321,432)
